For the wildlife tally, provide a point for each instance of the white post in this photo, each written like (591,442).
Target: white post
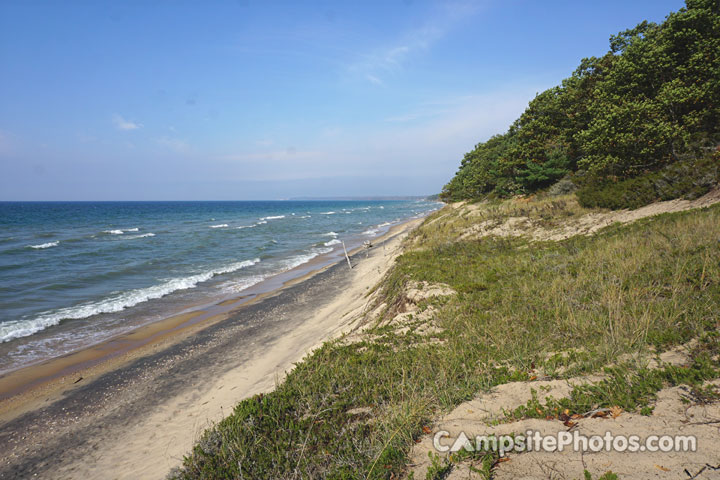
(346,255)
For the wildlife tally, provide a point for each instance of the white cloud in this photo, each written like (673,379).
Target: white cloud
(385,60)
(373,79)
(177,145)
(428,142)
(290,154)
(122,124)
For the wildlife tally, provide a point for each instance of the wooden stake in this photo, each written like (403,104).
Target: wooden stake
(346,255)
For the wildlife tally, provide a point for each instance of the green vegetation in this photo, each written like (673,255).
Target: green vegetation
(619,123)
(606,476)
(640,124)
(626,388)
(355,409)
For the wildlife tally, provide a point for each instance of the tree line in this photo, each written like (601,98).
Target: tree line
(638,124)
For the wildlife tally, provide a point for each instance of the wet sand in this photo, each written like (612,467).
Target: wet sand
(132,406)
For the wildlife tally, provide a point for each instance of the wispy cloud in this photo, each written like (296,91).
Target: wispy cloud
(290,153)
(428,142)
(373,79)
(122,124)
(373,66)
(177,145)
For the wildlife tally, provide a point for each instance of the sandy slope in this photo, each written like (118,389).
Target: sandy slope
(671,416)
(584,225)
(674,411)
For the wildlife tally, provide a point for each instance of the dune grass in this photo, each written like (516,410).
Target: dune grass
(354,410)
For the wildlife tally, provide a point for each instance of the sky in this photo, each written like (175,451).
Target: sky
(247,100)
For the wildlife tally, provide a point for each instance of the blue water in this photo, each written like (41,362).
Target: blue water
(73,273)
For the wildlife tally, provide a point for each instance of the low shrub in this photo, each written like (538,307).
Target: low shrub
(685,179)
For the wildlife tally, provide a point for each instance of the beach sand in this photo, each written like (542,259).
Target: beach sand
(145,398)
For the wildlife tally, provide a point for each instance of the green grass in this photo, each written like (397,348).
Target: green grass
(567,308)
(629,389)
(448,224)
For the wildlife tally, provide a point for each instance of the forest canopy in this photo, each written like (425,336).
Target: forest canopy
(640,123)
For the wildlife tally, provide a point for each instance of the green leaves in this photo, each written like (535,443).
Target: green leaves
(651,101)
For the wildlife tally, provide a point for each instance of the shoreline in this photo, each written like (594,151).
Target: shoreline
(53,373)
(320,301)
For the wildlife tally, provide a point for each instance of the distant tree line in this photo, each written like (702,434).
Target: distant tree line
(638,124)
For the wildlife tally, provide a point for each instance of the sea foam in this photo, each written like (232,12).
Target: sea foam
(242,284)
(45,245)
(119,231)
(143,235)
(298,260)
(116,303)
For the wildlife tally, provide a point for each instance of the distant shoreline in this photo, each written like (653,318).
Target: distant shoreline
(364,198)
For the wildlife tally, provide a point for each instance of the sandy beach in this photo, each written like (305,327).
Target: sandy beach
(132,407)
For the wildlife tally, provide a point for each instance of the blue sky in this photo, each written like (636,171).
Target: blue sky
(234,100)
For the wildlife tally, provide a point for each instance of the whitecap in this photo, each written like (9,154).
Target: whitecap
(222,225)
(144,235)
(298,260)
(273,217)
(113,232)
(115,303)
(330,234)
(334,241)
(328,213)
(371,231)
(45,245)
